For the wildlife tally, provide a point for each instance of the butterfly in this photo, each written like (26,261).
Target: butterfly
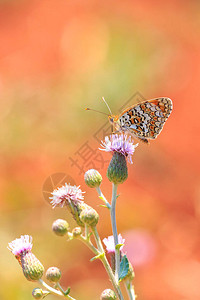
(144,120)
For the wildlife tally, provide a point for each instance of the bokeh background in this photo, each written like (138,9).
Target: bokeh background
(58,57)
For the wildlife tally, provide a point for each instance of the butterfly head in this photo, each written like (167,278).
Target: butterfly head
(113,119)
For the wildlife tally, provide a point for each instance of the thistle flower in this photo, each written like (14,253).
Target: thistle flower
(31,266)
(65,194)
(122,148)
(110,244)
(121,144)
(72,197)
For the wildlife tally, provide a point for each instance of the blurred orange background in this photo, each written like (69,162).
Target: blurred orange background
(58,57)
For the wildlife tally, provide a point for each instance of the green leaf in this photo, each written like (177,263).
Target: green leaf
(89,235)
(124,267)
(99,256)
(118,246)
(107,204)
(102,205)
(67,291)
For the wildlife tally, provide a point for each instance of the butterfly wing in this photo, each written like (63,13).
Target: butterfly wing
(145,120)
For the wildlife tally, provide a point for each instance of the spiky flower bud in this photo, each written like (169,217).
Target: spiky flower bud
(31,266)
(89,216)
(108,294)
(60,227)
(93,178)
(37,293)
(53,274)
(76,231)
(117,171)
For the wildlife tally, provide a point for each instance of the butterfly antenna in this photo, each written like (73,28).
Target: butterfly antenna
(100,112)
(107,105)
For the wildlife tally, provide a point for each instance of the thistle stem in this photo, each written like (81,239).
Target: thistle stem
(54,291)
(101,195)
(107,265)
(89,244)
(114,229)
(130,290)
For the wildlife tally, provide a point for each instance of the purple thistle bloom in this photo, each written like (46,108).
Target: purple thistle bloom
(121,144)
(21,245)
(110,245)
(66,193)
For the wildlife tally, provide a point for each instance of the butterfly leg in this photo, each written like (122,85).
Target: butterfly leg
(143,140)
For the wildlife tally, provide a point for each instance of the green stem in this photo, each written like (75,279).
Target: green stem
(114,229)
(54,291)
(107,265)
(89,244)
(130,290)
(86,231)
(101,195)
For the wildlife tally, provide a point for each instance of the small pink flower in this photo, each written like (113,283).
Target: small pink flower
(110,245)
(21,245)
(66,193)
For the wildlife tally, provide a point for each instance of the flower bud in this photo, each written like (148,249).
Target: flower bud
(108,294)
(117,170)
(37,293)
(60,227)
(76,231)
(89,216)
(53,274)
(93,178)
(31,266)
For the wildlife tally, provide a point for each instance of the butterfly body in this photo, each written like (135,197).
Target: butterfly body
(144,120)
